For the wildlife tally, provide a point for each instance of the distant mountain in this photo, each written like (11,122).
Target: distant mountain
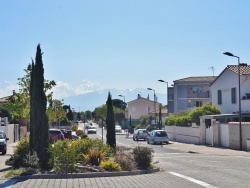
(91,100)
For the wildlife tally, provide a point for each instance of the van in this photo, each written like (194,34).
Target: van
(140,134)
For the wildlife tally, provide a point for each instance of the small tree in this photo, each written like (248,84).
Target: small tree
(203,110)
(110,122)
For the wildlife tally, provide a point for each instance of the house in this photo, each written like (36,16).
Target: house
(225,90)
(192,92)
(170,100)
(141,107)
(4,100)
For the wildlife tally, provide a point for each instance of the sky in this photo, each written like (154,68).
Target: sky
(121,44)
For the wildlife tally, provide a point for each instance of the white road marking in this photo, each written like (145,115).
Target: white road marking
(193,180)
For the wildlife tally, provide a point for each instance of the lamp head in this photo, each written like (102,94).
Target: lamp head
(120,95)
(228,53)
(161,80)
(149,89)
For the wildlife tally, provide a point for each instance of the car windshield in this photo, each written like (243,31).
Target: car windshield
(160,133)
(90,127)
(118,126)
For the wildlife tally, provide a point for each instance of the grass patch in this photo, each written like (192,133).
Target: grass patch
(14,173)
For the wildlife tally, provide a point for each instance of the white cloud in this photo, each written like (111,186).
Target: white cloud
(62,89)
(6,88)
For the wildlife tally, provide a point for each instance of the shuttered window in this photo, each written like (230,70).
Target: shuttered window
(233,95)
(219,95)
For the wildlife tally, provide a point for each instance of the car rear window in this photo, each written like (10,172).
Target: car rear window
(161,133)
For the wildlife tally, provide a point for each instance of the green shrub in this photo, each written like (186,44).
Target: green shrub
(63,156)
(20,153)
(143,156)
(83,136)
(110,165)
(31,160)
(94,157)
(125,160)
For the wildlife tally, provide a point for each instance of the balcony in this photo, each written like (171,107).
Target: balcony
(198,95)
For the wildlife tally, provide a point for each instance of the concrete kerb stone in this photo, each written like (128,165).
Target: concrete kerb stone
(88,175)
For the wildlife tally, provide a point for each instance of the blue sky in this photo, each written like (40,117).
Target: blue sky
(102,44)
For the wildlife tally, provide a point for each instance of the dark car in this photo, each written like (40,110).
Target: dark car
(56,134)
(3,142)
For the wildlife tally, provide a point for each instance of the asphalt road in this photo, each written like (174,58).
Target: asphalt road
(182,165)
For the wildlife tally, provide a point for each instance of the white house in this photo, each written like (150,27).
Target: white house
(225,90)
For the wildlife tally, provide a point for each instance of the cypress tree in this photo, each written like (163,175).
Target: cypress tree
(31,136)
(110,121)
(40,121)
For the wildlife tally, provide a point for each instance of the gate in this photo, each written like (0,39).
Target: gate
(209,135)
(224,135)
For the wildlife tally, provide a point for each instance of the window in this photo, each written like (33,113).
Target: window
(148,109)
(198,103)
(133,109)
(233,95)
(219,95)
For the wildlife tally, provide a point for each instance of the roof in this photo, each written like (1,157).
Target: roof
(141,98)
(244,70)
(197,79)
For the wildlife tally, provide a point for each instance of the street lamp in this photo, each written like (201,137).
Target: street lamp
(239,64)
(102,125)
(154,103)
(167,90)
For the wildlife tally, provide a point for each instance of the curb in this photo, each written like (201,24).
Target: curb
(87,175)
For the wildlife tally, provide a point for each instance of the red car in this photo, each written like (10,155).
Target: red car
(56,134)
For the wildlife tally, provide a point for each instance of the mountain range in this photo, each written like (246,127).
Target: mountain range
(91,100)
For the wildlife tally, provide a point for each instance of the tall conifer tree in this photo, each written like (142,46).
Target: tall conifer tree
(110,121)
(31,136)
(40,119)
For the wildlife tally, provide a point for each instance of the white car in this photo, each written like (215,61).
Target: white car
(118,128)
(158,136)
(91,129)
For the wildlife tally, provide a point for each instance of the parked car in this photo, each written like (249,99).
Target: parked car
(158,136)
(3,142)
(75,137)
(67,133)
(140,134)
(91,129)
(118,128)
(56,134)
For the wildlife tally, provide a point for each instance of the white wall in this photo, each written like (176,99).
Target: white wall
(184,134)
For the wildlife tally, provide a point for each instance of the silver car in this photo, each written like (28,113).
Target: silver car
(158,136)
(140,134)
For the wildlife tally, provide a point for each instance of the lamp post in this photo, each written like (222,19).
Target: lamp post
(102,125)
(167,89)
(239,64)
(154,102)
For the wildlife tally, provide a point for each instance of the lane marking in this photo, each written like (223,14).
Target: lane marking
(193,180)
